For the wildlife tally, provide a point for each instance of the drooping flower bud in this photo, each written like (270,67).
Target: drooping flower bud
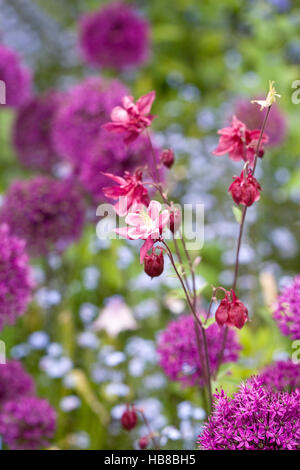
(167,158)
(143,442)
(231,311)
(175,219)
(154,263)
(129,418)
(245,190)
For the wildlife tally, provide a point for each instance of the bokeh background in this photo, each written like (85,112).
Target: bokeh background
(207,60)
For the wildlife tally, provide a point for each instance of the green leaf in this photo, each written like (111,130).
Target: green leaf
(237,214)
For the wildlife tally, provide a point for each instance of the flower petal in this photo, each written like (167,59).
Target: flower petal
(144,103)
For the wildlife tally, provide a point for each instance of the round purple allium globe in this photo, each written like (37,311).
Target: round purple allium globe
(287,311)
(255,418)
(85,108)
(282,376)
(178,352)
(27,423)
(115,36)
(49,214)
(250,114)
(32,132)
(15,278)
(14,382)
(17,78)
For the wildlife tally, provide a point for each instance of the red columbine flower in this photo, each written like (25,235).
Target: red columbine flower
(129,417)
(167,158)
(143,442)
(245,189)
(133,118)
(231,311)
(129,192)
(154,263)
(239,142)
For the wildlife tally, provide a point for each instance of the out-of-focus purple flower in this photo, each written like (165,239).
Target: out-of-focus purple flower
(14,382)
(276,128)
(178,350)
(17,77)
(49,214)
(27,423)
(255,418)
(16,280)
(115,36)
(85,108)
(32,132)
(282,376)
(287,311)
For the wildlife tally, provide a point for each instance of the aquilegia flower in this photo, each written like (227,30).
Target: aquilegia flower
(239,142)
(255,418)
(178,351)
(115,36)
(32,132)
(231,311)
(145,224)
(15,278)
(287,310)
(77,125)
(14,382)
(17,77)
(49,214)
(132,118)
(27,423)
(282,376)
(245,189)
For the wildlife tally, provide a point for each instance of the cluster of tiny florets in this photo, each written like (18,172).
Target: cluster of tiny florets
(282,375)
(15,382)
(287,310)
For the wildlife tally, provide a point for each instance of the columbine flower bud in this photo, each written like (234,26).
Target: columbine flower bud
(154,263)
(245,190)
(143,442)
(175,220)
(167,158)
(231,311)
(129,418)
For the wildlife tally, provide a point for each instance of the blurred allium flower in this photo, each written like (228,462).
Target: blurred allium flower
(282,376)
(47,213)
(255,417)
(287,311)
(14,382)
(32,132)
(27,423)
(15,278)
(251,115)
(17,78)
(77,126)
(115,36)
(178,351)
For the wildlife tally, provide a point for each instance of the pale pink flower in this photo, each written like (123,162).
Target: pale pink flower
(132,118)
(145,224)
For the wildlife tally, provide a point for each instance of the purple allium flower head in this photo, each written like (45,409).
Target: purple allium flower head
(14,382)
(49,214)
(17,78)
(83,111)
(287,311)
(115,36)
(27,423)
(178,351)
(255,418)
(282,376)
(32,132)
(250,114)
(15,277)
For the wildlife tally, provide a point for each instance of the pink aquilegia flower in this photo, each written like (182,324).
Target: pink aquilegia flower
(231,311)
(239,142)
(245,189)
(132,118)
(145,224)
(129,191)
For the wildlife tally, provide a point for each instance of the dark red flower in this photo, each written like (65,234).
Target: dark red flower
(143,442)
(245,190)
(167,158)
(154,263)
(129,191)
(129,418)
(231,311)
